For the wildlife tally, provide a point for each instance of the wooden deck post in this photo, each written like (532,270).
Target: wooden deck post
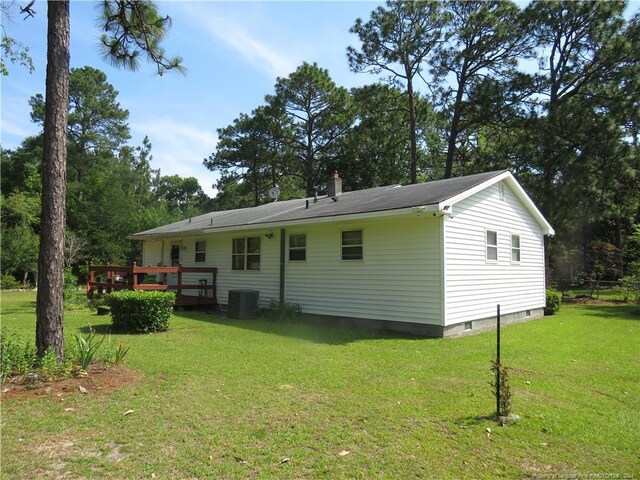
(90,281)
(179,279)
(110,287)
(134,274)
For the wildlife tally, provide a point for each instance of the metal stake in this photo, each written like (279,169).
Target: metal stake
(498,361)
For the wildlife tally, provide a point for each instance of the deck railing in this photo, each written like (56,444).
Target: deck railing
(111,278)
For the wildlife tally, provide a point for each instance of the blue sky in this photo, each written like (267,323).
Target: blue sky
(234,51)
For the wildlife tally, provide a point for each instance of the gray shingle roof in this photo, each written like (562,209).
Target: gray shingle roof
(379,199)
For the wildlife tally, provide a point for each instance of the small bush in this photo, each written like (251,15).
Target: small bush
(70,281)
(48,367)
(16,356)
(283,312)
(70,291)
(630,288)
(9,282)
(553,302)
(139,311)
(502,387)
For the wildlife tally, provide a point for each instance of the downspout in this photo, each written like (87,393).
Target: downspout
(282,265)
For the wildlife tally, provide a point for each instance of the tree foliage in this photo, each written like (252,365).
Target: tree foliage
(314,114)
(397,40)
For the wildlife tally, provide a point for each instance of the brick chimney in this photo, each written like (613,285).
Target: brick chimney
(334,187)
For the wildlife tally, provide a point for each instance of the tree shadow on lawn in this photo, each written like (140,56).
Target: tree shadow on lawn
(472,420)
(105,329)
(305,327)
(620,312)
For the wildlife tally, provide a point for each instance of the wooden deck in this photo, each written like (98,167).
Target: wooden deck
(111,278)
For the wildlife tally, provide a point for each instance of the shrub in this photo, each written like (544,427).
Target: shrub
(16,356)
(49,367)
(630,288)
(70,281)
(284,311)
(553,302)
(9,282)
(70,290)
(502,387)
(141,311)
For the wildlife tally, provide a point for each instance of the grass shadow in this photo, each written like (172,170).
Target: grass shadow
(473,420)
(613,311)
(307,328)
(104,329)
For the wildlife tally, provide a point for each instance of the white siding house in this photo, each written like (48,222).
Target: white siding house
(434,258)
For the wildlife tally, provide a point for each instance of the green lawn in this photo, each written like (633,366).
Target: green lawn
(231,398)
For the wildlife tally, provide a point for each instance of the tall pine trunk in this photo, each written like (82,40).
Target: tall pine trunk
(49,309)
(412,127)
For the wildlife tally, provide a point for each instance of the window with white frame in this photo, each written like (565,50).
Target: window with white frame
(201,251)
(352,245)
(245,253)
(515,248)
(298,247)
(492,246)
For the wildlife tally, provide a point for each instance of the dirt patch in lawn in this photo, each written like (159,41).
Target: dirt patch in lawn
(100,380)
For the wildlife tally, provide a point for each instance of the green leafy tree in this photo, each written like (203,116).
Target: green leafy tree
(250,151)
(397,40)
(183,196)
(19,251)
(578,154)
(377,148)
(486,39)
(315,114)
(11,50)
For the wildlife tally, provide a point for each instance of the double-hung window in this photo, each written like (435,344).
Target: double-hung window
(201,251)
(492,246)
(297,248)
(515,248)
(352,245)
(245,253)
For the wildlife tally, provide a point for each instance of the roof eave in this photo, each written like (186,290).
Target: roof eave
(326,219)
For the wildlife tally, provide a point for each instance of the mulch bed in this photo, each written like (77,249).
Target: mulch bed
(100,380)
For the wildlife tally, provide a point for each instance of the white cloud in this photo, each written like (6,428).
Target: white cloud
(254,50)
(15,123)
(179,149)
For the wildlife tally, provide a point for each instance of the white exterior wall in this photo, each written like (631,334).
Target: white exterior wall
(398,279)
(474,286)
(218,254)
(151,253)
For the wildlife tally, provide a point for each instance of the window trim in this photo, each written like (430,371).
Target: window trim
(487,246)
(297,249)
(361,245)
(245,254)
(518,248)
(203,252)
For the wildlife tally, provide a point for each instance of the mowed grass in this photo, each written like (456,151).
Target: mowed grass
(234,399)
